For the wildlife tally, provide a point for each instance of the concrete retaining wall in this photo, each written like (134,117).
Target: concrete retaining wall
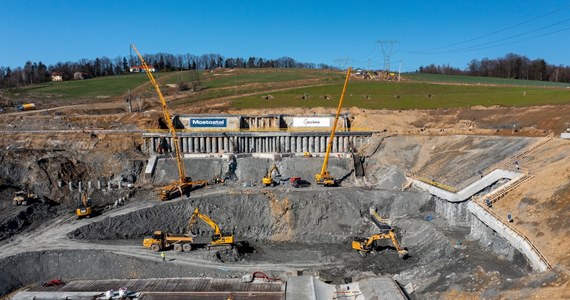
(256,142)
(473,188)
(514,239)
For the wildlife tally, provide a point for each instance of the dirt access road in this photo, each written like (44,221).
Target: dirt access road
(53,236)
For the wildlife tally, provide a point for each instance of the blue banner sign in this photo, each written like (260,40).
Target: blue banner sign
(208,123)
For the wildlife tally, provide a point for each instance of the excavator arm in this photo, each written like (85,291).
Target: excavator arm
(324,176)
(268,179)
(366,245)
(197,215)
(218,238)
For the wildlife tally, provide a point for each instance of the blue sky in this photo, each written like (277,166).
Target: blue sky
(338,33)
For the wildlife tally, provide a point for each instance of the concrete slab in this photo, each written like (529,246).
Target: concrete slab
(149,170)
(159,288)
(300,287)
(310,287)
(381,287)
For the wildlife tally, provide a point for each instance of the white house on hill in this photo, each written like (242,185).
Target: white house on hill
(56,76)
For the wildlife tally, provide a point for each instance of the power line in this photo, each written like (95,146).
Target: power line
(492,33)
(503,44)
(500,41)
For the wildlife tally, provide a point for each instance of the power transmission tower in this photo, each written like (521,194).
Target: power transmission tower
(387,47)
(342,62)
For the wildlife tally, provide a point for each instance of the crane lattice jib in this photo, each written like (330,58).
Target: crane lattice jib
(181,168)
(329,145)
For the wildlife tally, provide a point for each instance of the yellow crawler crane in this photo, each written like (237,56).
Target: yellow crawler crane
(219,238)
(367,245)
(184,184)
(325,178)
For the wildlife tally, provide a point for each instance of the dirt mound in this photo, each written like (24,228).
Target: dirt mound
(27,217)
(316,215)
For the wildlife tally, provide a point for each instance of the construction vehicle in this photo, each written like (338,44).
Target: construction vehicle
(368,245)
(26,107)
(23,198)
(325,178)
(161,240)
(269,178)
(85,209)
(383,224)
(184,184)
(219,238)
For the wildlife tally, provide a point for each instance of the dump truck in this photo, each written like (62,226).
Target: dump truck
(161,240)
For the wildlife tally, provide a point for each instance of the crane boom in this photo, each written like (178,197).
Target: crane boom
(324,177)
(181,168)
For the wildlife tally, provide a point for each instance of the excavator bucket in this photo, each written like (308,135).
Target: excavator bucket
(403,253)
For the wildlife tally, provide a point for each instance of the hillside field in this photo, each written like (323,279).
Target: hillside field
(272,88)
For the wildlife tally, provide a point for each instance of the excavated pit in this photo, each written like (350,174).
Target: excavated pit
(307,229)
(311,230)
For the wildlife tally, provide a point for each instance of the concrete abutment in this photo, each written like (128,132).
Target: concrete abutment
(256,142)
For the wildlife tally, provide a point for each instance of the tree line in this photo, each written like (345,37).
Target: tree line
(511,66)
(37,72)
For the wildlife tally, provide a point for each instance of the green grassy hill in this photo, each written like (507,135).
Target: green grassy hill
(408,95)
(273,88)
(461,79)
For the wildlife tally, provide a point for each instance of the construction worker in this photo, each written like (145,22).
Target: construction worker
(163,255)
(510,217)
(488,202)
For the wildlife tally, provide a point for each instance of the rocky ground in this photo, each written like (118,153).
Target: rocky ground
(286,228)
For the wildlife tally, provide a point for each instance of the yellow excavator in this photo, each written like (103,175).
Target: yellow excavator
(85,209)
(367,245)
(268,179)
(325,178)
(219,238)
(184,184)
(161,240)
